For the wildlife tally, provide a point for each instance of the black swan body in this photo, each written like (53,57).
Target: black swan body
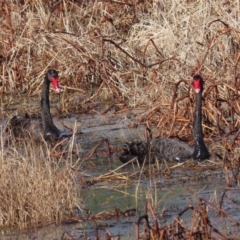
(38,128)
(172,149)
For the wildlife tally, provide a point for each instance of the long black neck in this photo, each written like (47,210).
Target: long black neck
(200,151)
(48,125)
(197,130)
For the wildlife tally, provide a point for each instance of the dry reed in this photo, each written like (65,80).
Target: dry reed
(136,49)
(131,52)
(36,190)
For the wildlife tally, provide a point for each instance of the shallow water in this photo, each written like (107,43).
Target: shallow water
(168,194)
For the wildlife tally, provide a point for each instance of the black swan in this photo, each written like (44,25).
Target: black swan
(38,128)
(172,149)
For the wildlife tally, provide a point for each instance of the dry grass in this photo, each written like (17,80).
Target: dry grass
(36,189)
(130,47)
(131,52)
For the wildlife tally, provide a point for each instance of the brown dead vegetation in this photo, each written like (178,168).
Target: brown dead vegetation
(138,53)
(133,53)
(37,187)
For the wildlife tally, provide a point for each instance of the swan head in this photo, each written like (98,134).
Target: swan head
(52,76)
(197,83)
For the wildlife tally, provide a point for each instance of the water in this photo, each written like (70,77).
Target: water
(167,192)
